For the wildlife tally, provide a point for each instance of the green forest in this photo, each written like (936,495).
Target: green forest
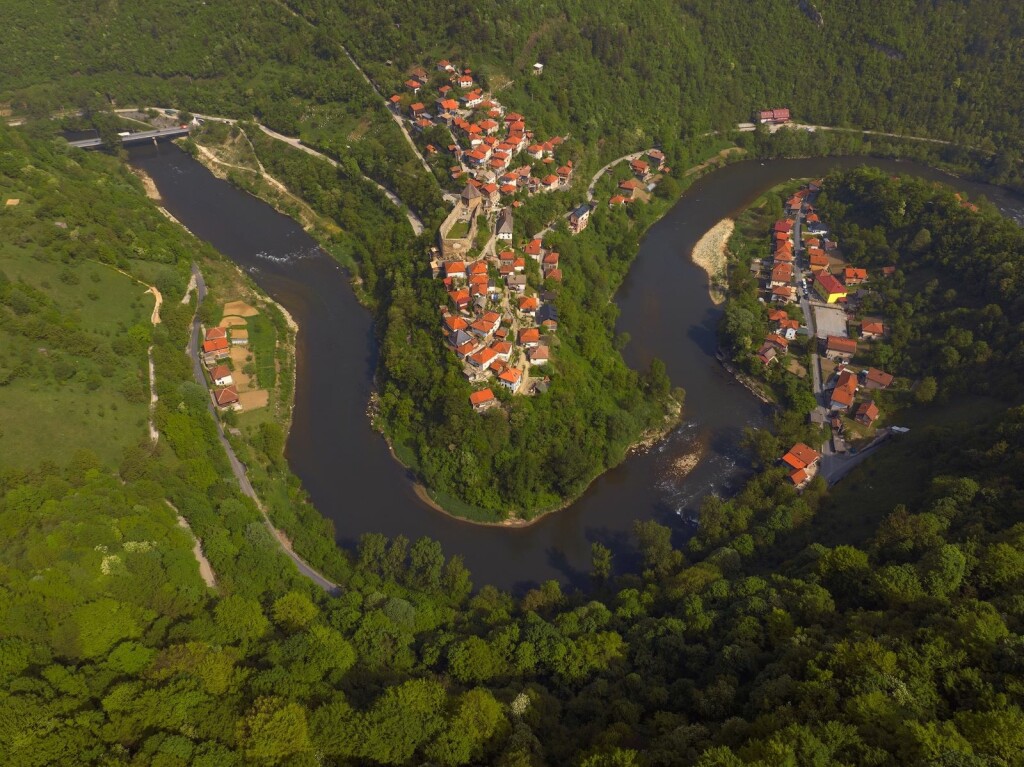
(880,623)
(814,629)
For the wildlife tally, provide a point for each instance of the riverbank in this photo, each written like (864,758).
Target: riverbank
(710,255)
(646,441)
(257,181)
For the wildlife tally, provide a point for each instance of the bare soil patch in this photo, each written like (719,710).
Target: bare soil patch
(233,322)
(256,398)
(239,308)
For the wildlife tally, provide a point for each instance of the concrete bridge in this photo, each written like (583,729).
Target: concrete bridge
(134,138)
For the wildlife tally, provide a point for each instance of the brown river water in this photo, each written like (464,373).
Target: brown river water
(346,466)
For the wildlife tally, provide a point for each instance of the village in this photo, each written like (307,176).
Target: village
(236,382)
(500,319)
(807,277)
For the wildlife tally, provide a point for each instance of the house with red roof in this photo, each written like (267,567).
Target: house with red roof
(502,350)
(221,375)
(454,322)
(877,379)
(853,276)
(818,260)
(529,305)
(511,379)
(828,287)
(866,413)
(483,358)
(871,329)
(227,398)
(413,85)
(538,355)
(455,270)
(782,274)
(216,349)
(774,116)
(482,400)
(529,337)
(841,349)
(215,333)
(535,249)
(630,188)
(803,461)
(460,298)
(844,391)
(784,294)
(640,169)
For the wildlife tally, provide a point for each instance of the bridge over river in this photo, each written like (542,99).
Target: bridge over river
(134,138)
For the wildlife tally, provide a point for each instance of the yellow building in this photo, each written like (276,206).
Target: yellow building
(829,288)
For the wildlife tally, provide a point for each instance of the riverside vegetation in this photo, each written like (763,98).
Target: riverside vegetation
(287,66)
(791,629)
(881,624)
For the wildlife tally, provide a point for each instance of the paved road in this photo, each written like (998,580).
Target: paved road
(608,167)
(236,466)
(836,466)
(805,306)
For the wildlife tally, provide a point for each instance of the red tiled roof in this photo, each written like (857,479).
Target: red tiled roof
(830,284)
(867,411)
(226,396)
(216,345)
(528,303)
(512,375)
(842,345)
(220,371)
(453,322)
(876,376)
(481,397)
(800,456)
(214,333)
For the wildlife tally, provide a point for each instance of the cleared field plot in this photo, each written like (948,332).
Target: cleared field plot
(829,321)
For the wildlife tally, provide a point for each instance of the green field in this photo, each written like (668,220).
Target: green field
(58,396)
(263,344)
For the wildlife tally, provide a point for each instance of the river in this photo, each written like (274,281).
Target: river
(346,466)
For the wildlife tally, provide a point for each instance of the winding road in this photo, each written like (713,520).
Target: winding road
(236,466)
(609,166)
(296,143)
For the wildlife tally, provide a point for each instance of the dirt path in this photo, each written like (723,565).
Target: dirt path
(205,570)
(397,118)
(155,316)
(414,220)
(295,143)
(188,289)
